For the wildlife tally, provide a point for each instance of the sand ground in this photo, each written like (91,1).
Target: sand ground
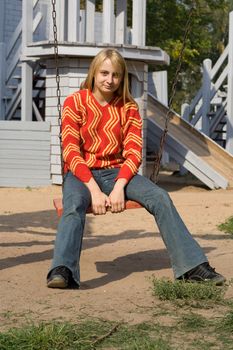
(121,252)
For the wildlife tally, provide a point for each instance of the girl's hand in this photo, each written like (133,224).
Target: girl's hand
(99,200)
(117,196)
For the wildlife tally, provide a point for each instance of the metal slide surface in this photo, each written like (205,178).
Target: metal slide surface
(195,151)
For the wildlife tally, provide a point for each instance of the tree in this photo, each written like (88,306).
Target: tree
(207,38)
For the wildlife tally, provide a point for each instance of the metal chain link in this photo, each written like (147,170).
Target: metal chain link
(58,91)
(158,156)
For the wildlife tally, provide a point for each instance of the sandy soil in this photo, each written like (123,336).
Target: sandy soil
(121,252)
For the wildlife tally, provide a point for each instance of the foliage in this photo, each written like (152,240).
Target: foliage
(207,38)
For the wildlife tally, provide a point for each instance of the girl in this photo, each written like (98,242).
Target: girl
(102,151)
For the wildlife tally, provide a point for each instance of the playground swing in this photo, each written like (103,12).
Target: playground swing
(129,204)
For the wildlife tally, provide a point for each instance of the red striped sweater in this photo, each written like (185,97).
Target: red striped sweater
(95,136)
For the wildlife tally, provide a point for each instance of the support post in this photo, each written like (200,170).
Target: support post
(121,21)
(73,20)
(185,111)
(90,21)
(27,72)
(229,134)
(206,87)
(61,20)
(2,78)
(27,24)
(26,101)
(139,22)
(108,21)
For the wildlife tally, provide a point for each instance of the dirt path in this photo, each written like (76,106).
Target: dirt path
(120,254)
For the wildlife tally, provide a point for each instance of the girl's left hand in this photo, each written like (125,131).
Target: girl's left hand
(117,196)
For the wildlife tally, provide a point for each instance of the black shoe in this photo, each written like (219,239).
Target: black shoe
(59,277)
(203,273)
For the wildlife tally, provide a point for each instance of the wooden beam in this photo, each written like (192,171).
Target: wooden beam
(121,21)
(139,22)
(206,90)
(90,21)
(73,20)
(27,23)
(108,21)
(2,78)
(26,102)
(59,207)
(229,136)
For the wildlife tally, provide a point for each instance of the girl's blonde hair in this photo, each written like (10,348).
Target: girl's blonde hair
(117,61)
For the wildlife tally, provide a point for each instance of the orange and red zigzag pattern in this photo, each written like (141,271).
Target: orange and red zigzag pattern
(88,135)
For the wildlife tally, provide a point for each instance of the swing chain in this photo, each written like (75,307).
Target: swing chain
(158,156)
(58,91)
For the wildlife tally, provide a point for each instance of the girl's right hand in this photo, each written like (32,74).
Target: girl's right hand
(99,202)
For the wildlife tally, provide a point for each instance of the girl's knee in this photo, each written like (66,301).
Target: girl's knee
(76,205)
(159,200)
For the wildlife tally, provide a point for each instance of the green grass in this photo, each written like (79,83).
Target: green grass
(165,289)
(190,331)
(227,226)
(84,336)
(171,327)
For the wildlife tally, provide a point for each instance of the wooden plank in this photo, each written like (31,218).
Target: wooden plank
(29,154)
(108,21)
(20,125)
(73,20)
(26,165)
(121,21)
(59,207)
(229,135)
(21,182)
(24,135)
(13,144)
(139,22)
(26,174)
(56,169)
(90,21)
(56,179)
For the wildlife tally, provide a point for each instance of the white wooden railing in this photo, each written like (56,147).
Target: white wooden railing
(214,100)
(81,28)
(11,90)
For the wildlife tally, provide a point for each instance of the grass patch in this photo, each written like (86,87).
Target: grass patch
(179,328)
(227,226)
(191,331)
(84,336)
(226,323)
(193,322)
(178,290)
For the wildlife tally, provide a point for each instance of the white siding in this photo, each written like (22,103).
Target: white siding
(24,154)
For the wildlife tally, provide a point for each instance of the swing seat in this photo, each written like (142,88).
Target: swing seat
(59,207)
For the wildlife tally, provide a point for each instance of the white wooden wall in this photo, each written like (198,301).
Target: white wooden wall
(24,154)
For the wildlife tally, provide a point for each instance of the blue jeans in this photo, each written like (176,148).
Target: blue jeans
(184,252)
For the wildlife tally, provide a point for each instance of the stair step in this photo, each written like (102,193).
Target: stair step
(18,77)
(12,87)
(41,88)
(7,98)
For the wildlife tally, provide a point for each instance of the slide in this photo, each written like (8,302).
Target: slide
(199,154)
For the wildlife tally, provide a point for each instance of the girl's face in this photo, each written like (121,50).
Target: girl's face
(107,79)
